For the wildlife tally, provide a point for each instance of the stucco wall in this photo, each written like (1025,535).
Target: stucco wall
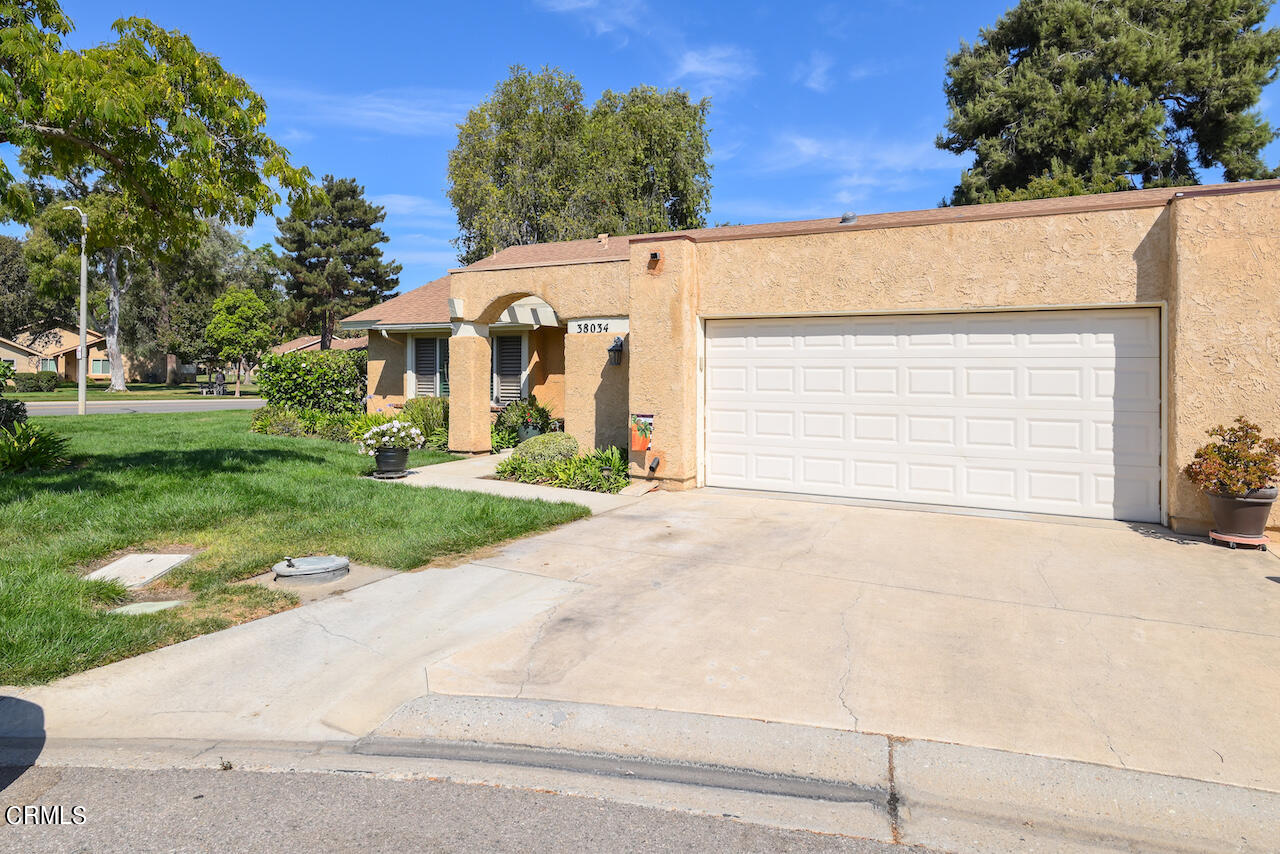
(1094,258)
(470,367)
(386,370)
(573,290)
(664,351)
(595,391)
(1224,350)
(546,368)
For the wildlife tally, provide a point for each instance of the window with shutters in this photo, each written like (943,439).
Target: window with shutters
(431,367)
(508,368)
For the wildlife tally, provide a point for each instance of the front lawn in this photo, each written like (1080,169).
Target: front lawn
(137,391)
(245,500)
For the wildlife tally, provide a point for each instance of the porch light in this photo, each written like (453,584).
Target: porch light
(615,351)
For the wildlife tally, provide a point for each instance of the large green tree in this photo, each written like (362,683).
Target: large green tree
(533,164)
(333,257)
(147,133)
(1063,97)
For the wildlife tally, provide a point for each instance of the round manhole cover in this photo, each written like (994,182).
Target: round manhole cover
(319,568)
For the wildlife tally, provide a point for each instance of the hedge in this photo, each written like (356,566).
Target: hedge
(327,380)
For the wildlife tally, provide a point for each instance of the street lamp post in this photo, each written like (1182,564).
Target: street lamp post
(82,352)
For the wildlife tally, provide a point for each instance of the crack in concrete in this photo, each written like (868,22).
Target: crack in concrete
(537,639)
(848,659)
(311,620)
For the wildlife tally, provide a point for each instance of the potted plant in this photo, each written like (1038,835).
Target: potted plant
(1238,473)
(527,417)
(389,446)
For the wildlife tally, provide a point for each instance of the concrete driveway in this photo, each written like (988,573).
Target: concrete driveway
(1104,643)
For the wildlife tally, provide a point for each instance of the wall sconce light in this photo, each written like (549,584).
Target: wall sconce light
(615,352)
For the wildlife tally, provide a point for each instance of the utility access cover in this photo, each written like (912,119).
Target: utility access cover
(138,570)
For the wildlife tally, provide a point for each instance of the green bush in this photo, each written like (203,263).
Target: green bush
(327,381)
(47,380)
(335,427)
(25,381)
(599,471)
(547,447)
(428,414)
(362,424)
(12,412)
(27,447)
(261,418)
(501,438)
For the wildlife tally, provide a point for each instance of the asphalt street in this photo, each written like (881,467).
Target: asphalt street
(138,811)
(109,407)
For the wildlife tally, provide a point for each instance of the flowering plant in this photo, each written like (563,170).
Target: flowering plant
(393,434)
(1238,464)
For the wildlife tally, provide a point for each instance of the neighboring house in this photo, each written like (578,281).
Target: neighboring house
(312,342)
(1060,356)
(55,351)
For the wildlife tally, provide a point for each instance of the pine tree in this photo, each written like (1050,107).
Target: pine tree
(332,258)
(1065,97)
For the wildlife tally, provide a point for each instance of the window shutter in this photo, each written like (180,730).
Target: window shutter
(424,366)
(444,367)
(509,363)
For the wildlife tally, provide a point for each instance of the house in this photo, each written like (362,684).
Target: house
(1060,356)
(312,342)
(55,350)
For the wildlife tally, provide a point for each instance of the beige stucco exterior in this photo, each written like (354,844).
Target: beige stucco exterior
(1208,259)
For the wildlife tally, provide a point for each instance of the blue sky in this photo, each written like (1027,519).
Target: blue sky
(815,108)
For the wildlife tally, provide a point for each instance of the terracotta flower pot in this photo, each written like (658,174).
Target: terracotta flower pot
(391,460)
(1243,517)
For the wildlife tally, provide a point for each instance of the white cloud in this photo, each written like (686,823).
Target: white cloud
(400,204)
(714,68)
(815,73)
(292,136)
(399,112)
(616,17)
(858,168)
(864,70)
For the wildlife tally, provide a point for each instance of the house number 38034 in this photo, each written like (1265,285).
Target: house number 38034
(592,326)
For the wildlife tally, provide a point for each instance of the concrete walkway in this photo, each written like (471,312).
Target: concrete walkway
(475,474)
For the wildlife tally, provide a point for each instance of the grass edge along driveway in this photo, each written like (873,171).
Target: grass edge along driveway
(202,480)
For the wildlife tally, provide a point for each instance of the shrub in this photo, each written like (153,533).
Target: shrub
(328,381)
(600,471)
(361,424)
(334,427)
(262,416)
(438,439)
(27,447)
(393,434)
(12,412)
(524,413)
(285,423)
(47,380)
(6,374)
(501,438)
(548,446)
(428,414)
(25,381)
(1241,462)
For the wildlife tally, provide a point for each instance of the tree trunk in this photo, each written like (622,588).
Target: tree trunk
(112,331)
(326,332)
(239,365)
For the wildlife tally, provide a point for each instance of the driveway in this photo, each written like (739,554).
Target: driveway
(1106,643)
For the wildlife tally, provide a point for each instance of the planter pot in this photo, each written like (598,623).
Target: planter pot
(527,432)
(1242,517)
(391,460)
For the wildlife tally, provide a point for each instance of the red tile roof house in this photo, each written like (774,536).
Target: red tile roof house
(1059,356)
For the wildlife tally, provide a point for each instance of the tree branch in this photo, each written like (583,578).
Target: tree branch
(67,136)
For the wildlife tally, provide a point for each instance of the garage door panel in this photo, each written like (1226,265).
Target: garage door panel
(1054,412)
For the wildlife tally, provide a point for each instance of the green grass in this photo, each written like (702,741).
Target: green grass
(245,500)
(137,391)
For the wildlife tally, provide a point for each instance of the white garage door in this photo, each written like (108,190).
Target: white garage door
(1043,412)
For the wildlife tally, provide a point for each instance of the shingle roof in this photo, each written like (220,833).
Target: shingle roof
(307,342)
(427,304)
(618,248)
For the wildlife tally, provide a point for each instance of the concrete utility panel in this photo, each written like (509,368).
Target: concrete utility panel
(138,570)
